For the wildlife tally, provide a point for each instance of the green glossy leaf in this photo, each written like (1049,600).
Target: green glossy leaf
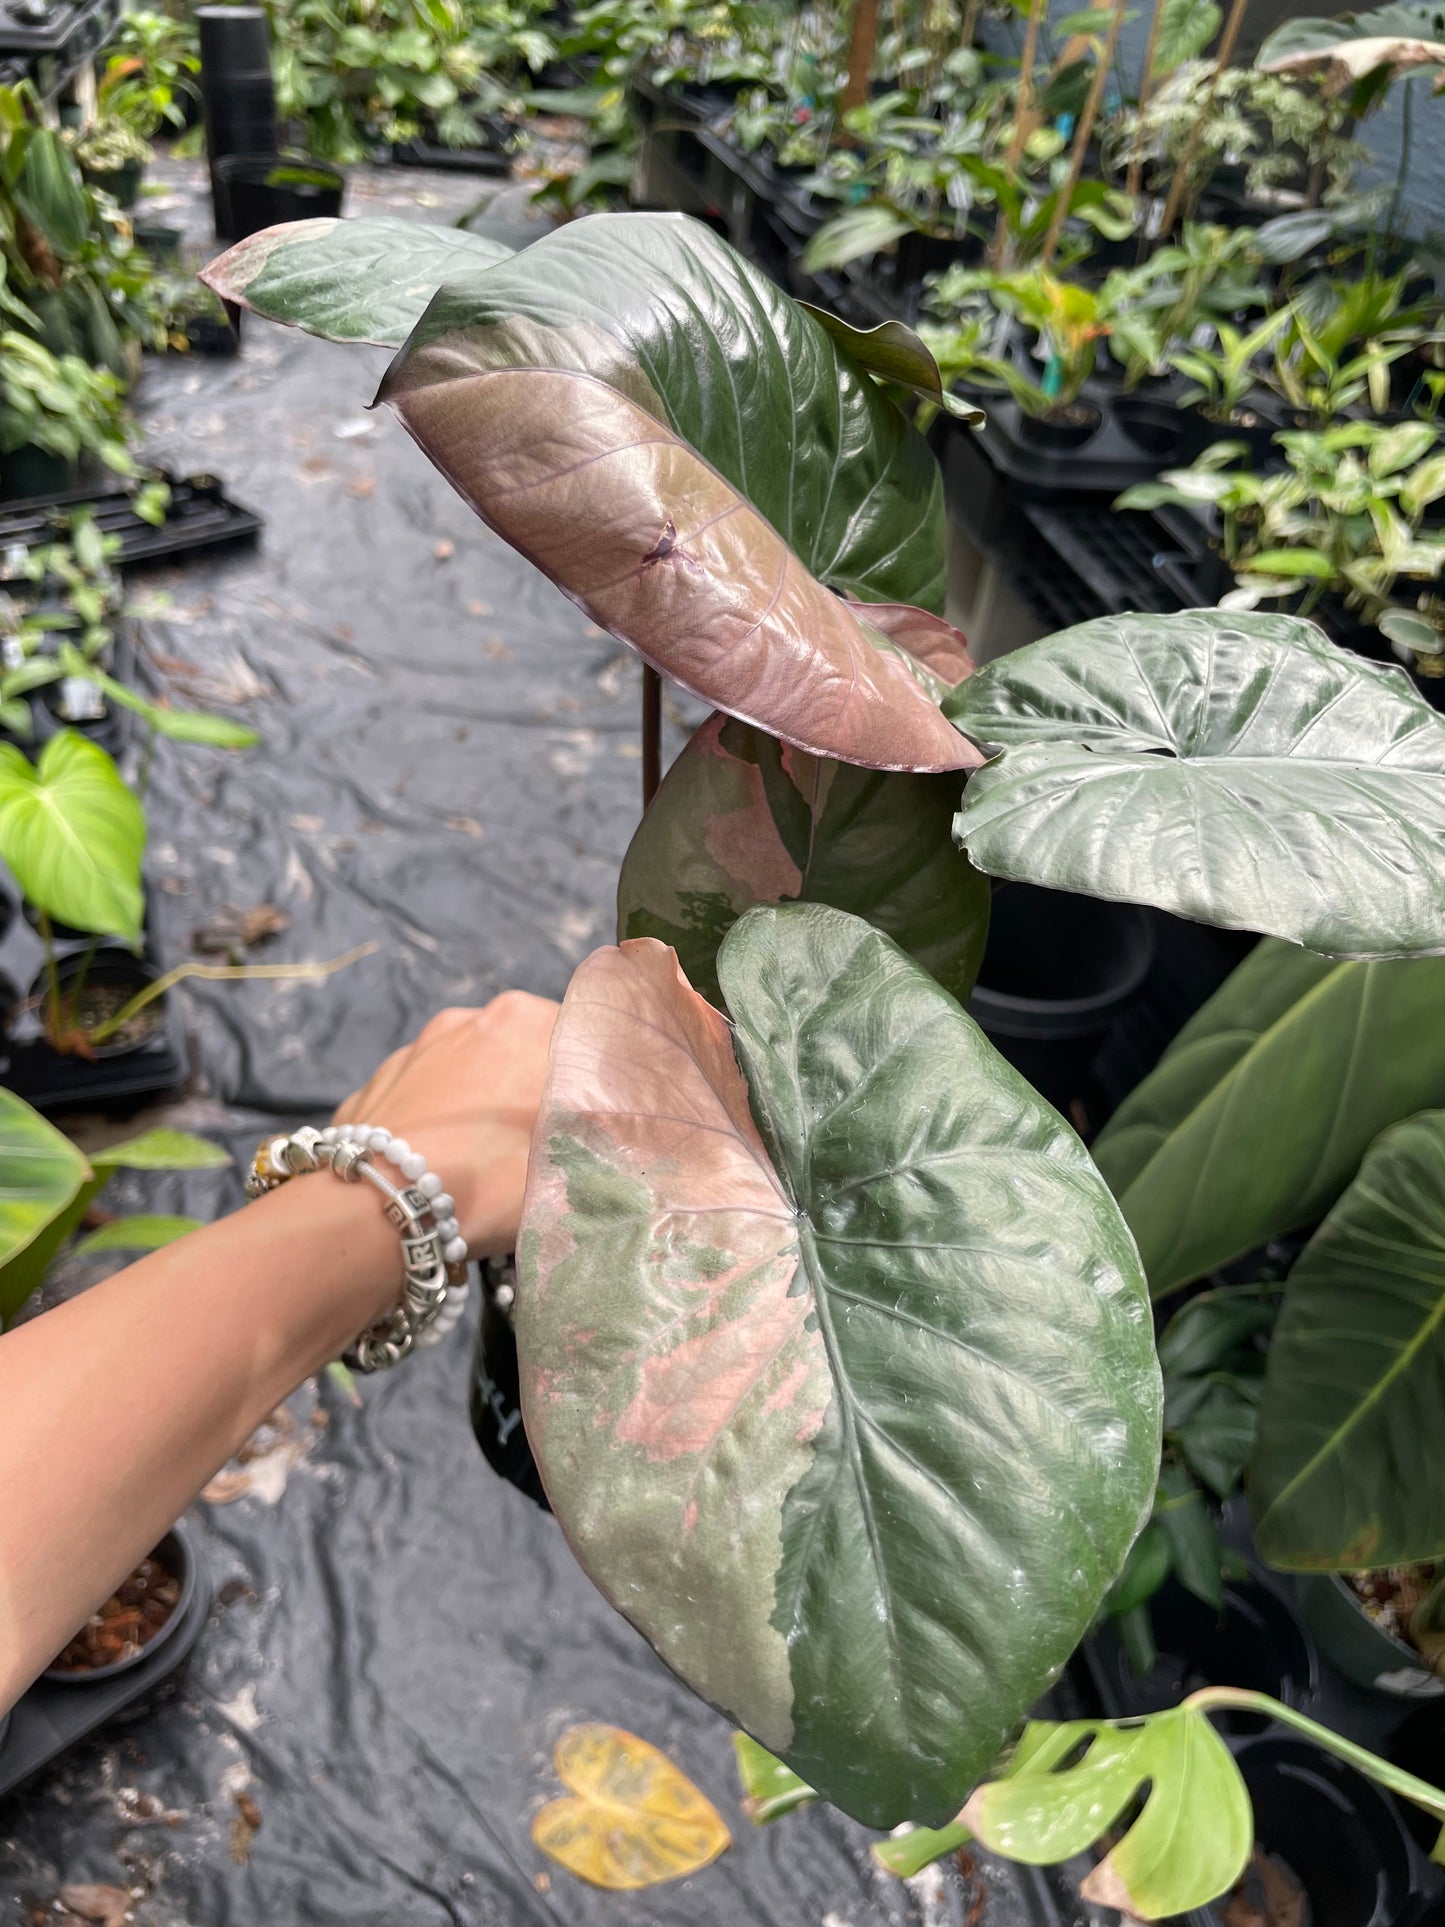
(1217,1439)
(1150,1561)
(1234,768)
(894,352)
(1190,1841)
(742,819)
(179,725)
(1349,1470)
(162,1150)
(1208,1330)
(770,1789)
(840,1378)
(1257,1116)
(367,279)
(145,1231)
(1185,29)
(41,1174)
(73,835)
(856,232)
(1196,1555)
(662,310)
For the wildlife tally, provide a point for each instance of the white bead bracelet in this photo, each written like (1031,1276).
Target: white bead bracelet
(433,1251)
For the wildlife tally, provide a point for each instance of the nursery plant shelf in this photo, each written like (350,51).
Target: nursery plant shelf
(201,517)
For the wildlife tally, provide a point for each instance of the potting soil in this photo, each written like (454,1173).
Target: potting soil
(449,770)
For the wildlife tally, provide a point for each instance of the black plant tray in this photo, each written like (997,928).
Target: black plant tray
(54,1081)
(201,516)
(1106,464)
(1361,1855)
(452,160)
(50,1717)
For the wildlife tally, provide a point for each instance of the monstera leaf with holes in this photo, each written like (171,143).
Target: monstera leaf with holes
(835,1354)
(1256,1117)
(743,819)
(1349,1469)
(693,457)
(1235,768)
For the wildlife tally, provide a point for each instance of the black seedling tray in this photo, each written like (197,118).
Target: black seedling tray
(52,1716)
(451,160)
(54,1081)
(1361,1855)
(201,516)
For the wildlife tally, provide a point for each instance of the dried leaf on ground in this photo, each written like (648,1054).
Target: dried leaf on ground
(631,1819)
(244,1828)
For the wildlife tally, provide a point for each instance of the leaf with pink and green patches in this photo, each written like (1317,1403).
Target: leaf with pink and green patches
(835,1352)
(743,819)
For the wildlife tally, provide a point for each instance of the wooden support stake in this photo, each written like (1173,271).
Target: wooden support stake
(862,47)
(1146,88)
(1082,134)
(1179,186)
(1023,119)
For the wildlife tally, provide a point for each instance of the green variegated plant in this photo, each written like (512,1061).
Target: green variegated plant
(835,1346)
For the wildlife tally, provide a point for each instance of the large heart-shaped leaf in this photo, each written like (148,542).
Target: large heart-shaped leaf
(1349,1469)
(839,1374)
(1257,1116)
(1187,1845)
(661,309)
(41,1173)
(660,549)
(742,819)
(73,835)
(368,279)
(1235,768)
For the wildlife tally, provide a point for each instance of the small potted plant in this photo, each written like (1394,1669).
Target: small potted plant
(58,415)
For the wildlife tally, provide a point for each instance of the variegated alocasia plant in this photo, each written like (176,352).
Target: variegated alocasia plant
(835,1347)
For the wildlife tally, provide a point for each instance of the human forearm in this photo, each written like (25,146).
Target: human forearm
(117,1407)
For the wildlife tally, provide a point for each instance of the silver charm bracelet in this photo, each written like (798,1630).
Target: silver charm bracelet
(433,1251)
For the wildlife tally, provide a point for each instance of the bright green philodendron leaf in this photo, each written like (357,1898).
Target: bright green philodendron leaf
(837,1367)
(1234,768)
(662,310)
(367,279)
(1349,1468)
(1190,1841)
(1256,1117)
(161,1150)
(742,819)
(770,1789)
(73,835)
(42,1175)
(144,1231)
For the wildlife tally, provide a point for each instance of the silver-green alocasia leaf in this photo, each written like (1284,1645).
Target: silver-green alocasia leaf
(1235,768)
(1257,1116)
(660,308)
(1349,1467)
(742,819)
(367,279)
(662,550)
(837,1367)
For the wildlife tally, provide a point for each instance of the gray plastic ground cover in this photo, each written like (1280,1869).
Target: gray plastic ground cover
(451,769)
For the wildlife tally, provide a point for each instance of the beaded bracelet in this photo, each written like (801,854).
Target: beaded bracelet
(433,1251)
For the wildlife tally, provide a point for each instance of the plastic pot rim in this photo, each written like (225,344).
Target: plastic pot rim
(187,1569)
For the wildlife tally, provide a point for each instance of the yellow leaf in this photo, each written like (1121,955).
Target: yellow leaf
(633,1820)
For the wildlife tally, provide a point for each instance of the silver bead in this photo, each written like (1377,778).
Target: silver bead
(429,1184)
(413,1166)
(455,1251)
(348,1155)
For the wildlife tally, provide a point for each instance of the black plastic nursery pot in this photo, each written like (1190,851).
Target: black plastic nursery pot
(1067,427)
(62,1707)
(237,94)
(263,190)
(149,1057)
(1058,971)
(496,1404)
(30,472)
(1363,1651)
(122,183)
(172,1560)
(1161,430)
(1255,1641)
